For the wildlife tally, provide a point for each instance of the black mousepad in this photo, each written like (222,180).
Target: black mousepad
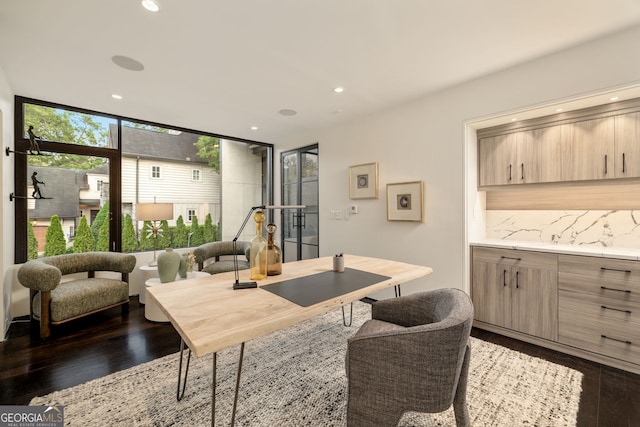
(310,290)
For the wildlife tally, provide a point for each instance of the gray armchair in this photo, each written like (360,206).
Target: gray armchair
(208,256)
(412,356)
(54,301)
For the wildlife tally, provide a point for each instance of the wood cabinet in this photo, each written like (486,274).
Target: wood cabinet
(581,150)
(587,150)
(599,306)
(520,157)
(516,290)
(583,305)
(626,162)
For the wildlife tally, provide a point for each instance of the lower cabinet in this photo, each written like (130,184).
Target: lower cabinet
(587,306)
(516,290)
(599,306)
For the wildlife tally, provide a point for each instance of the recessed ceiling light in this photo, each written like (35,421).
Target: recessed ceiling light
(514,119)
(150,5)
(558,110)
(287,112)
(127,63)
(254,127)
(116,96)
(338,89)
(615,98)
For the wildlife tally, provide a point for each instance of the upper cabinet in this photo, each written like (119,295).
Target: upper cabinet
(581,149)
(587,150)
(626,162)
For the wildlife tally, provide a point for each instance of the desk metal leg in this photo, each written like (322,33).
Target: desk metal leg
(344,319)
(213,390)
(179,394)
(396,288)
(235,398)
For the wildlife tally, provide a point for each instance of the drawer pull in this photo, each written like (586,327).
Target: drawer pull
(615,269)
(504,278)
(517,280)
(510,257)
(615,309)
(626,291)
(615,339)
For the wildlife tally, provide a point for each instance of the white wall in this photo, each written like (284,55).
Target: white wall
(428,140)
(7,225)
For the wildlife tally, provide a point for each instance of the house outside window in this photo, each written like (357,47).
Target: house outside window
(98,149)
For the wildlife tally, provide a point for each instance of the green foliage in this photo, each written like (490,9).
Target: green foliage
(55,243)
(209,230)
(84,241)
(32,242)
(180,234)
(146,236)
(67,127)
(209,149)
(197,236)
(102,244)
(129,241)
(164,235)
(102,216)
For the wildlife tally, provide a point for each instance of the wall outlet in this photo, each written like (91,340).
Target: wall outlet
(354,209)
(339,215)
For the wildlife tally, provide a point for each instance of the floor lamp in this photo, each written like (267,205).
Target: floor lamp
(247,285)
(154,212)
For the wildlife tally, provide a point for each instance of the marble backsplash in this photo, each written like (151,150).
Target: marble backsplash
(586,228)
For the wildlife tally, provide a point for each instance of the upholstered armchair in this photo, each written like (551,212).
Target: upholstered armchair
(55,300)
(413,355)
(208,256)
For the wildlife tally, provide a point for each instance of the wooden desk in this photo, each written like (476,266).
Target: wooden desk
(210,316)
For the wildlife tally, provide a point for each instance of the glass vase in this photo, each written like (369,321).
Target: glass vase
(274,254)
(258,250)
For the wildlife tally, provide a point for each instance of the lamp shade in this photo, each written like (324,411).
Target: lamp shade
(154,211)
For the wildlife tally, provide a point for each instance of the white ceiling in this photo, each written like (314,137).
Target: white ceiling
(224,66)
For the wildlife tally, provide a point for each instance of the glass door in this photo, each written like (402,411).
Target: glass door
(300,187)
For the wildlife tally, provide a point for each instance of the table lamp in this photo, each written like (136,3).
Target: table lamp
(154,212)
(247,285)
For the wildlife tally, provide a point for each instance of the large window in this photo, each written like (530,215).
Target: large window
(81,191)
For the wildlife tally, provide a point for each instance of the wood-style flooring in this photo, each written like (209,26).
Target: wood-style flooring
(108,342)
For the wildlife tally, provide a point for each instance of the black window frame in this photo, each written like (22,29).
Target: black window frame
(113,155)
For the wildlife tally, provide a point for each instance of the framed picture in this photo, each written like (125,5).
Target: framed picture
(404,201)
(363,181)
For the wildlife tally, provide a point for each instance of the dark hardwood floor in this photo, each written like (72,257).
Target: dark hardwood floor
(108,342)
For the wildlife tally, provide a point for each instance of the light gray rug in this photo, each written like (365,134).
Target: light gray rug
(295,377)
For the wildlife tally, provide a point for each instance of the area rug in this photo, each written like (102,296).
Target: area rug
(295,377)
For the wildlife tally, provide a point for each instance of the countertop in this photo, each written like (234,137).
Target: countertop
(597,251)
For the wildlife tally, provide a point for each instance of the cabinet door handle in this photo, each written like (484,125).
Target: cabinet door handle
(504,277)
(522,171)
(615,339)
(517,279)
(627,291)
(615,309)
(615,269)
(509,172)
(623,163)
(510,257)
(605,164)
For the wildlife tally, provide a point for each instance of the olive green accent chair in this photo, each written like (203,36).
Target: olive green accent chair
(208,256)
(56,299)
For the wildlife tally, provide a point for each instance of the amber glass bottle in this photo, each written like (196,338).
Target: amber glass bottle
(274,254)
(258,250)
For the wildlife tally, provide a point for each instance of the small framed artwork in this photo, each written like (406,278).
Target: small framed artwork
(363,181)
(404,201)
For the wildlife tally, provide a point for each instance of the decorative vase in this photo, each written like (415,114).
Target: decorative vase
(184,266)
(258,250)
(168,265)
(274,254)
